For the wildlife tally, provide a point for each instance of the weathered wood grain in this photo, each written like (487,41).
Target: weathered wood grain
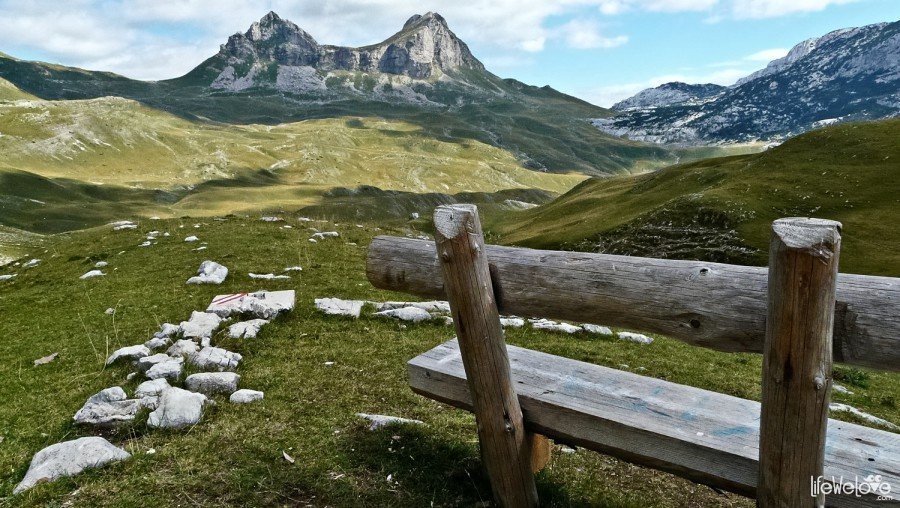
(796,373)
(712,305)
(704,436)
(506,449)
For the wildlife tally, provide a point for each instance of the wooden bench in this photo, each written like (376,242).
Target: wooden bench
(800,313)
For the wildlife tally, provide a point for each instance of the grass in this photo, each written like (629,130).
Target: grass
(234,456)
(721,209)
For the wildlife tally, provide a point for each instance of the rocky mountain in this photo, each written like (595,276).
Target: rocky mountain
(670,94)
(846,75)
(276,73)
(276,53)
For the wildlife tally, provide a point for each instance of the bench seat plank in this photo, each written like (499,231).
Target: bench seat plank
(705,436)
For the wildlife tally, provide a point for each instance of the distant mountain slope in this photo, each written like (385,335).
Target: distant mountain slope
(846,75)
(721,209)
(670,94)
(275,73)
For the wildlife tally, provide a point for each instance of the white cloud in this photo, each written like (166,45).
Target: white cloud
(758,9)
(582,34)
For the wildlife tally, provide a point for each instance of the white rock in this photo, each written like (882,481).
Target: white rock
(145,244)
(106,408)
(412,314)
(31,263)
(512,322)
(313,240)
(293,269)
(191,238)
(200,326)
(68,459)
(245,396)
(325,234)
(596,329)
(304,219)
(91,274)
(210,272)
(841,389)
(121,223)
(213,383)
(170,370)
(183,347)
(125,226)
(167,331)
(214,358)
(177,409)
(262,304)
(132,353)
(268,276)
(270,218)
(835,406)
(432,306)
(338,307)
(146,363)
(378,421)
(110,311)
(635,337)
(8,276)
(246,329)
(101,264)
(198,249)
(152,388)
(414,215)
(157,343)
(553,326)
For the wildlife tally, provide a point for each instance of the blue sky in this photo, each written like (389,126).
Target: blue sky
(599,50)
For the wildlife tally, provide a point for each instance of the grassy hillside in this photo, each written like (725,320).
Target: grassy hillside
(234,456)
(9,91)
(76,163)
(721,209)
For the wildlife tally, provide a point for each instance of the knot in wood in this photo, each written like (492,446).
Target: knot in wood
(445,256)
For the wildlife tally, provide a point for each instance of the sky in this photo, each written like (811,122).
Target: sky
(599,50)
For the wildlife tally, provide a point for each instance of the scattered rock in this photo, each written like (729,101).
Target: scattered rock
(125,226)
(101,264)
(378,421)
(325,234)
(191,238)
(46,359)
(215,358)
(262,304)
(183,347)
(246,329)
(107,408)
(68,459)
(91,274)
(177,409)
(146,363)
(553,326)
(151,388)
(287,457)
(200,326)
(412,314)
(8,276)
(293,269)
(145,244)
(414,216)
(835,406)
(512,322)
(157,343)
(270,218)
(210,272)
(109,311)
(245,396)
(213,383)
(338,307)
(436,306)
(841,389)
(268,276)
(31,263)
(313,240)
(167,330)
(170,369)
(635,337)
(132,353)
(596,329)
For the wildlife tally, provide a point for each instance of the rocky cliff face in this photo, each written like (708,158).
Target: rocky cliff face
(277,53)
(845,75)
(670,94)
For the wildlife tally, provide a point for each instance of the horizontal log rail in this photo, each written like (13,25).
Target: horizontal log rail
(713,305)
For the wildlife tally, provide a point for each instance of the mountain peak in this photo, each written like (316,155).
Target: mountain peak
(425,19)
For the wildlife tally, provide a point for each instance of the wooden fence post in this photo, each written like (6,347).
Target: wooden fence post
(796,382)
(505,446)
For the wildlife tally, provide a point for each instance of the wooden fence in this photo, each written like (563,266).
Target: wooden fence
(800,313)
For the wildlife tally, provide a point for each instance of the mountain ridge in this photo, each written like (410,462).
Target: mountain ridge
(845,75)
